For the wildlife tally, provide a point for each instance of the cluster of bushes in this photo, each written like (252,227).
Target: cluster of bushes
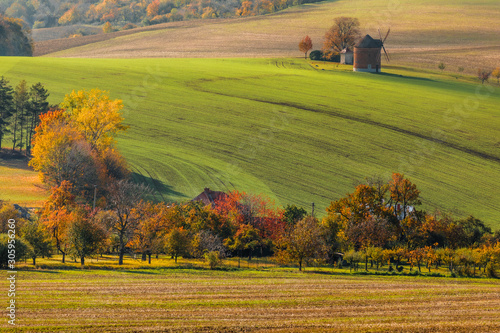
(469,262)
(318,55)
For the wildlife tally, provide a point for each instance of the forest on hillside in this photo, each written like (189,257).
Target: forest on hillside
(127,13)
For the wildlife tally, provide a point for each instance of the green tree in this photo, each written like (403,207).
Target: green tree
(6,107)
(85,235)
(177,242)
(21,105)
(39,240)
(293,214)
(38,105)
(19,245)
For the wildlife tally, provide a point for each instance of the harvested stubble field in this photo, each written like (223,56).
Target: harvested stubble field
(196,300)
(423,33)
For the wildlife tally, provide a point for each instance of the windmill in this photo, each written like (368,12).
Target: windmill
(368,54)
(382,41)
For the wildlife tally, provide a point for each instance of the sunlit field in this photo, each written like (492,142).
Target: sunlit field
(291,130)
(182,298)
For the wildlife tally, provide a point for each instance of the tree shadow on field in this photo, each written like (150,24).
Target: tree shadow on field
(416,78)
(160,190)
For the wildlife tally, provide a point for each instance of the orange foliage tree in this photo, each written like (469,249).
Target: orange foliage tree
(305,45)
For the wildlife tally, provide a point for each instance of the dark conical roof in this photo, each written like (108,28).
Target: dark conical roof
(368,42)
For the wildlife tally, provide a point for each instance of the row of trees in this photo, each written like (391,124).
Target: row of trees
(45,13)
(20,111)
(94,207)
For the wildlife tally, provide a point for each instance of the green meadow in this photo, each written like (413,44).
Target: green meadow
(292,130)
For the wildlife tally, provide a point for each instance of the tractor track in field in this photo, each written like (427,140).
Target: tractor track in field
(196,85)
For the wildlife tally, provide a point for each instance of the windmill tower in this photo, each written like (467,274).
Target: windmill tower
(367,54)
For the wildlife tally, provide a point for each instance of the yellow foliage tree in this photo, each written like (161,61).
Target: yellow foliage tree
(96,116)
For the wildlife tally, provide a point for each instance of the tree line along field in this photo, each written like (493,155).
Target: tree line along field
(288,129)
(423,33)
(270,300)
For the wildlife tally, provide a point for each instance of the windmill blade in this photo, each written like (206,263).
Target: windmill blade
(385,35)
(380,34)
(386,55)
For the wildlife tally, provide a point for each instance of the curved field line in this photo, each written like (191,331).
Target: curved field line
(335,113)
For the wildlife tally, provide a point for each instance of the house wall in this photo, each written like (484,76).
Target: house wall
(365,57)
(347,58)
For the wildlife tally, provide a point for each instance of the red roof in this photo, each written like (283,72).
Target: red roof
(209,197)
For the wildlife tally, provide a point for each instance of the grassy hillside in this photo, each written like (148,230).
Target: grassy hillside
(423,32)
(19,184)
(194,300)
(291,130)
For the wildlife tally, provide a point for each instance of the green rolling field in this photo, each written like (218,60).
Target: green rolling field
(285,128)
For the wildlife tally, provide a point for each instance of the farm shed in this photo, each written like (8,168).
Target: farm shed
(346,56)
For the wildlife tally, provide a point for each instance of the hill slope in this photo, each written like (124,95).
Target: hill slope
(299,134)
(423,32)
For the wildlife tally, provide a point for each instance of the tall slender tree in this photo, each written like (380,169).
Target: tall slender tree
(6,107)
(38,105)
(21,105)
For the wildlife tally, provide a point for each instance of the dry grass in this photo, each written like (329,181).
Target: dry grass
(20,184)
(423,32)
(243,301)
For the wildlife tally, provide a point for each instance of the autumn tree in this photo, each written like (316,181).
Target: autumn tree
(57,216)
(15,39)
(60,153)
(344,33)
(85,234)
(302,243)
(305,45)
(403,195)
(107,28)
(496,74)
(95,116)
(123,197)
(6,107)
(483,75)
(148,235)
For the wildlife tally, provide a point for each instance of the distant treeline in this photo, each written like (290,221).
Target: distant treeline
(51,13)
(15,38)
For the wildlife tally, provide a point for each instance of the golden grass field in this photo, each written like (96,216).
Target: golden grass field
(249,300)
(20,184)
(423,33)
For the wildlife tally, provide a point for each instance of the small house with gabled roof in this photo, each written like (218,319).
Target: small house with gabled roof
(346,56)
(209,197)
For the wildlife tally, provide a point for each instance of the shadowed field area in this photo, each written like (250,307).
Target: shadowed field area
(193,300)
(423,33)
